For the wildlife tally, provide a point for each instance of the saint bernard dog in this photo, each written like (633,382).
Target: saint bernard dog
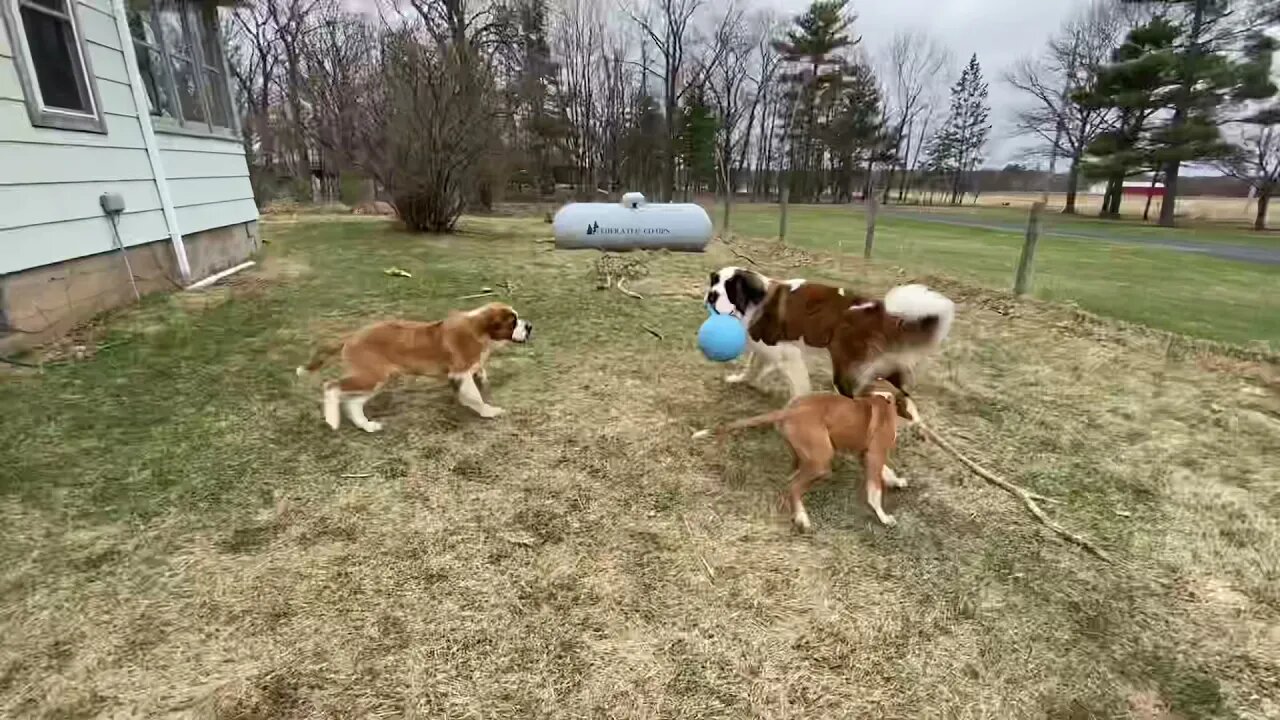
(865,337)
(456,347)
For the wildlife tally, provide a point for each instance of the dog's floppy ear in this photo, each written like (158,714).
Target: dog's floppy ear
(498,321)
(745,289)
(880,416)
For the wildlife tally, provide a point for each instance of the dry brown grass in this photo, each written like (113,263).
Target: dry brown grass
(1195,208)
(581,557)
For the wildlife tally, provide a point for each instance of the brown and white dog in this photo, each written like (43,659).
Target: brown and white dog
(456,347)
(817,427)
(865,337)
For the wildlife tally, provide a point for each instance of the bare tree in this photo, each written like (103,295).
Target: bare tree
(1069,65)
(729,87)
(1257,160)
(913,62)
(293,21)
(616,98)
(481,24)
(268,42)
(578,39)
(430,120)
(253,61)
(672,33)
(339,58)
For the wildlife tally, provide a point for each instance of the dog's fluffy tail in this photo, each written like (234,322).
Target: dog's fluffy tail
(766,419)
(320,357)
(926,310)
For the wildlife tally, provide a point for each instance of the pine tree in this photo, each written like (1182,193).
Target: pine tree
(1222,57)
(956,150)
(855,134)
(696,142)
(814,47)
(1136,86)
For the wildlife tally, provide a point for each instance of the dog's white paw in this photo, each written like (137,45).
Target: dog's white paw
(333,421)
(490,411)
(893,479)
(888,520)
(801,521)
(736,378)
(701,434)
(371,426)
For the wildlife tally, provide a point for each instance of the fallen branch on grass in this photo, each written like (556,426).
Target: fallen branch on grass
(652,332)
(485,293)
(743,256)
(1027,497)
(711,574)
(623,288)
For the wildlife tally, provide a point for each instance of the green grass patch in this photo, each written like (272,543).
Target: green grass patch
(1201,296)
(183,536)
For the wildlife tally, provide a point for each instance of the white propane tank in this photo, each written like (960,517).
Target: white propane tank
(632,224)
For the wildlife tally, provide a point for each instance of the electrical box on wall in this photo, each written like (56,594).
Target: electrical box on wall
(112,203)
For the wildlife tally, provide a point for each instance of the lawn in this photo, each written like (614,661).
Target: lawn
(184,537)
(1206,297)
(1131,226)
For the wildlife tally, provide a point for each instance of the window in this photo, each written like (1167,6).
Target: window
(180,60)
(53,65)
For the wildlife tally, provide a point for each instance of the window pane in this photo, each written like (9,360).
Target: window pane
(188,91)
(175,40)
(206,19)
(160,100)
(219,106)
(56,57)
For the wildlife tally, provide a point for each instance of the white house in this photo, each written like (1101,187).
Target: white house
(128,98)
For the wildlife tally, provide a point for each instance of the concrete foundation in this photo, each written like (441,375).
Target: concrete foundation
(41,304)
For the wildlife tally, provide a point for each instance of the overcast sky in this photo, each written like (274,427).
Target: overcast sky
(999,31)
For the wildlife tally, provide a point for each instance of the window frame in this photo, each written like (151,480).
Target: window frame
(178,124)
(42,115)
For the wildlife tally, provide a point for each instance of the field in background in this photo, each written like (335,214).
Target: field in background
(1201,296)
(183,537)
(1193,209)
(1130,228)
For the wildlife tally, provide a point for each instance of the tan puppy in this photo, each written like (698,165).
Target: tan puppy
(818,426)
(457,347)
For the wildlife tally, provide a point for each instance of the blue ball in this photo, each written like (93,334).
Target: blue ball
(722,337)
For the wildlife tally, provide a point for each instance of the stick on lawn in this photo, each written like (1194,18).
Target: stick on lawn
(1027,497)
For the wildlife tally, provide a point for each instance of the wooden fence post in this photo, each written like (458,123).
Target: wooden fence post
(1022,283)
(784,194)
(872,208)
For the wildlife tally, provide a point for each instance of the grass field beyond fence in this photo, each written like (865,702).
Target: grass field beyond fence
(1206,297)
(182,536)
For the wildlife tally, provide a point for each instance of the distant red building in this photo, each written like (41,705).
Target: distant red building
(1143,190)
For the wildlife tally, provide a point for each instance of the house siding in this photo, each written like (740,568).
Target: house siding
(50,180)
(208,181)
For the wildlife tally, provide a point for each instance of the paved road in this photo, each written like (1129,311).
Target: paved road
(1243,253)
